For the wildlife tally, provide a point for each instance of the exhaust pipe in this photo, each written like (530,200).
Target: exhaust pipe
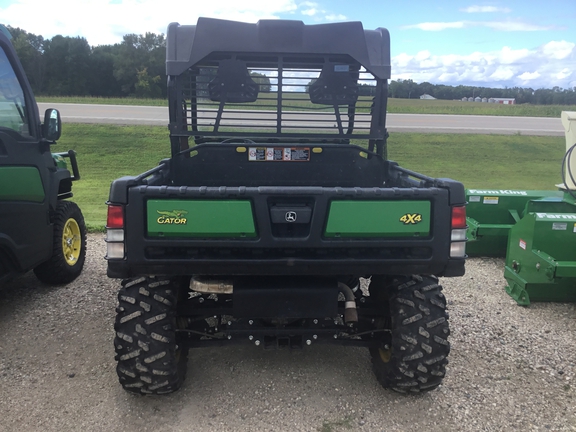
(350,312)
(211,286)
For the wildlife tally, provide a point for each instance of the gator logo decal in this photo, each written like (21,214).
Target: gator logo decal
(172,217)
(411,218)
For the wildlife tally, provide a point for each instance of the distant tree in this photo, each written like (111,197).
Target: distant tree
(30,49)
(543,97)
(67,66)
(406,89)
(147,86)
(101,80)
(366,90)
(426,88)
(139,52)
(394,89)
(262,80)
(411,88)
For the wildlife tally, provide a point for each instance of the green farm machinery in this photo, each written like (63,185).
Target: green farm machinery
(534,230)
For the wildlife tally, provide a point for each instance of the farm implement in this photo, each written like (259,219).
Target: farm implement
(534,230)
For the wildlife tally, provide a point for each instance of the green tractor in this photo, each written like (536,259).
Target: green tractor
(40,229)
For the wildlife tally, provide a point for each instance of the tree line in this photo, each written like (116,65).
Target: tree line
(69,66)
(554,96)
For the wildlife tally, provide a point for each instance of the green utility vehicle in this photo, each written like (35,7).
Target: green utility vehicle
(39,228)
(277,206)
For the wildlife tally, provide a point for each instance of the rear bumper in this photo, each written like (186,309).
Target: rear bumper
(287,266)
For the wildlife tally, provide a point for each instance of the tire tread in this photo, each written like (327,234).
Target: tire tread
(420,333)
(149,361)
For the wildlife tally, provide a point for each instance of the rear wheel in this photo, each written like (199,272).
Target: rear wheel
(414,358)
(149,359)
(69,246)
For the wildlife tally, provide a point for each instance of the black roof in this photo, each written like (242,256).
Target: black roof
(187,45)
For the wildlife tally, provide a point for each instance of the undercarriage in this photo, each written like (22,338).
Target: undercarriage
(292,314)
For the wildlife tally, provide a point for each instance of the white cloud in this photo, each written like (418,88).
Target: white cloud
(106,21)
(335,17)
(309,12)
(564,73)
(312,9)
(423,55)
(545,66)
(484,9)
(558,50)
(502,73)
(436,26)
(513,26)
(403,60)
(510,56)
(447,77)
(529,76)
(495,25)
(309,8)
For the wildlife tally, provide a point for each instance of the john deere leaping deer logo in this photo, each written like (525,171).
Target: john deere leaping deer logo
(172,217)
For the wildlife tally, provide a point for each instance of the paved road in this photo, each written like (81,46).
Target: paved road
(439,123)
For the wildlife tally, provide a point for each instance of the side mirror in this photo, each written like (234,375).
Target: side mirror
(52,127)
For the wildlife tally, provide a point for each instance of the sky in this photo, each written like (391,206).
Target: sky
(503,43)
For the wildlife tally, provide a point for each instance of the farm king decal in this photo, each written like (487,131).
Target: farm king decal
(172,217)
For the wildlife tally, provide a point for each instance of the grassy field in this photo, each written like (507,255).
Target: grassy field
(106,153)
(417,106)
(479,161)
(483,161)
(407,106)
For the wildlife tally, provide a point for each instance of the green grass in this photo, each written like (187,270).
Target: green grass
(102,100)
(107,152)
(482,161)
(407,106)
(417,106)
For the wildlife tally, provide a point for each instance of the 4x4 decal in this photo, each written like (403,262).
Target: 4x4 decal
(172,217)
(411,218)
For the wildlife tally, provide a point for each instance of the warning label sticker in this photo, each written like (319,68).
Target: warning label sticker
(490,200)
(474,199)
(522,244)
(279,154)
(559,226)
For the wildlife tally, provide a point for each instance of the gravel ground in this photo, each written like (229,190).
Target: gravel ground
(511,368)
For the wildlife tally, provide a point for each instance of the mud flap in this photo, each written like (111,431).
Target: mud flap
(283,297)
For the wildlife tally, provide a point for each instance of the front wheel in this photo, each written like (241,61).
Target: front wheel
(414,358)
(149,359)
(68,246)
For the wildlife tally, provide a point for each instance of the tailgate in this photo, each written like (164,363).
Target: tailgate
(287,230)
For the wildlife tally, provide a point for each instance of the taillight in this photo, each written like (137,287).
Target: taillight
(458,217)
(115,232)
(458,235)
(115,217)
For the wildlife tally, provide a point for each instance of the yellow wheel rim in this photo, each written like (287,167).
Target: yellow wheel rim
(71,242)
(385,354)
